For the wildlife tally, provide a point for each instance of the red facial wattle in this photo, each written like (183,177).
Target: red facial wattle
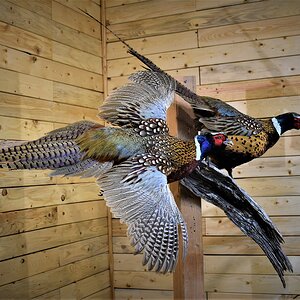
(219,139)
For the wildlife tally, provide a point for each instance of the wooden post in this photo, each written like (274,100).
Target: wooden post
(188,276)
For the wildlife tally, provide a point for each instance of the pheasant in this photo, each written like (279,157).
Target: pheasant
(251,138)
(133,162)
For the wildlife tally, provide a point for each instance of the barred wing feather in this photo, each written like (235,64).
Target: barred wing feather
(140,197)
(148,96)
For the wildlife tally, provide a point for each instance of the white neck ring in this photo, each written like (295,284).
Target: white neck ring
(198,149)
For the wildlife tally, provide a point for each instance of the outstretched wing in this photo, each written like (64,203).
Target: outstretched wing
(148,96)
(138,194)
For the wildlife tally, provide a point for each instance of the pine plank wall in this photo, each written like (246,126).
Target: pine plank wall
(53,231)
(54,241)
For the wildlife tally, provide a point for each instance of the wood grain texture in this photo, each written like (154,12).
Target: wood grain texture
(24,40)
(223,226)
(206,19)
(39,284)
(32,241)
(273,205)
(41,7)
(249,31)
(73,19)
(262,167)
(103,294)
(242,264)
(18,198)
(154,44)
(241,245)
(267,68)
(36,66)
(276,106)
(28,20)
(143,280)
(30,108)
(249,284)
(26,85)
(112,3)
(136,294)
(248,296)
(77,58)
(271,186)
(90,6)
(142,10)
(209,4)
(252,89)
(42,261)
(88,287)
(23,129)
(208,56)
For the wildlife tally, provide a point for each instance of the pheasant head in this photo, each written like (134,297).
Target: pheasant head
(206,142)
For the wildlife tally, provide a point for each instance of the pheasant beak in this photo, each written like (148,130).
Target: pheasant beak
(228,143)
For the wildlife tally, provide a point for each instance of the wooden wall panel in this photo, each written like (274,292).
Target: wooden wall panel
(246,12)
(53,231)
(246,53)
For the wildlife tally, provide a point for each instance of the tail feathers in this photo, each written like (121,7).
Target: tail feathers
(49,155)
(242,210)
(55,150)
(70,132)
(84,168)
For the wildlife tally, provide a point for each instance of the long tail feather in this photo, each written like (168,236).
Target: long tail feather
(57,151)
(213,186)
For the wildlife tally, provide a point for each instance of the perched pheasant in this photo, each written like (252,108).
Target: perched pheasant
(133,162)
(251,137)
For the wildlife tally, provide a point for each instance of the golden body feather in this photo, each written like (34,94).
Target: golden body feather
(118,144)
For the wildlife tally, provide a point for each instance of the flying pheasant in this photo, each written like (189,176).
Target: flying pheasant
(133,162)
